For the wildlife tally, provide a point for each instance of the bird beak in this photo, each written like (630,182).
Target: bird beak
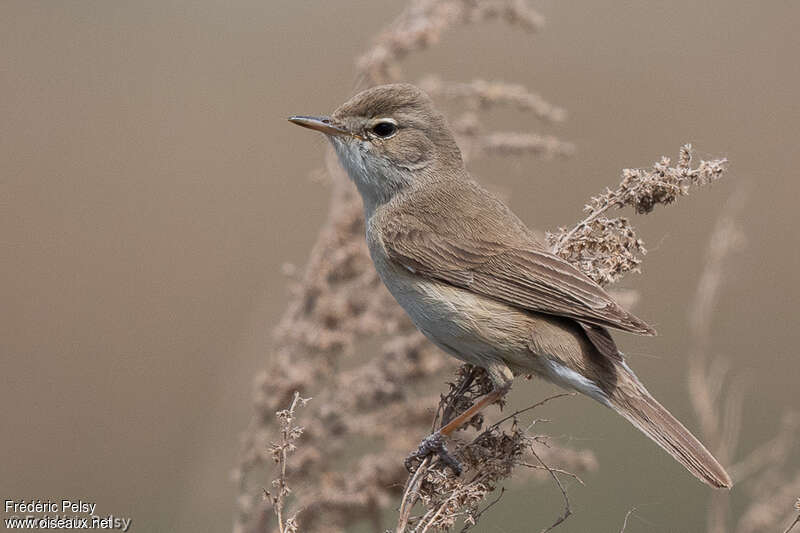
(324,124)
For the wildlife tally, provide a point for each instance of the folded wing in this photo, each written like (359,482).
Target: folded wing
(521,274)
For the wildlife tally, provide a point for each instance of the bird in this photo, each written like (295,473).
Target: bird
(476,281)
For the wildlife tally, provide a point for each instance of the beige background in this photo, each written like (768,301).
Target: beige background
(150,189)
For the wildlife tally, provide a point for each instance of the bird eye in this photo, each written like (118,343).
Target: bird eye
(384,129)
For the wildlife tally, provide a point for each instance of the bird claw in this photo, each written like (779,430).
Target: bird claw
(433,444)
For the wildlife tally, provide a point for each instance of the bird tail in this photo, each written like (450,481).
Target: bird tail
(631,400)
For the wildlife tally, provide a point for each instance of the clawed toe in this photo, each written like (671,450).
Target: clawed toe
(433,444)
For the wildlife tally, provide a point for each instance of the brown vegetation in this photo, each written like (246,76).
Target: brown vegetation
(344,342)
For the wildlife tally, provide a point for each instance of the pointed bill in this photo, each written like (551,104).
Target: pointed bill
(324,124)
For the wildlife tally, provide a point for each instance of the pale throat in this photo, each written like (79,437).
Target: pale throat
(377,179)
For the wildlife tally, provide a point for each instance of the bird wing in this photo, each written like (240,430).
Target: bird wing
(521,274)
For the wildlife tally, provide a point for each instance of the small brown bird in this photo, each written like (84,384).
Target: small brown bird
(475,280)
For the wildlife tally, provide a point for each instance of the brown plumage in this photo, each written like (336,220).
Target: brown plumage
(473,277)
(485,248)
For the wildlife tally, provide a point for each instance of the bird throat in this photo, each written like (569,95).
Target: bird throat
(376,178)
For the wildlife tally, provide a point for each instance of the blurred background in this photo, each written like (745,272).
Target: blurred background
(151,189)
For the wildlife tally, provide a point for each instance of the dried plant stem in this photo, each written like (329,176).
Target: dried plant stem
(706,374)
(280,453)
(557,470)
(478,481)
(583,224)
(797,518)
(431,516)
(718,404)
(491,504)
(283,487)
(607,248)
(791,526)
(625,522)
(567,509)
(410,495)
(480,93)
(529,408)
(771,452)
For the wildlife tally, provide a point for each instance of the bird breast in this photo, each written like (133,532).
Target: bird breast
(467,325)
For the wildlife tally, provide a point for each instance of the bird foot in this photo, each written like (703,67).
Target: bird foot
(433,444)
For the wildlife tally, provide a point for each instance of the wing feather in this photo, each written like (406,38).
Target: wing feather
(521,274)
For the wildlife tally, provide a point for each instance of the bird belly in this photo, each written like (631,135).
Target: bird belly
(473,328)
(484,332)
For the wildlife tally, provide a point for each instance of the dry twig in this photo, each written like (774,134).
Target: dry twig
(627,516)
(797,518)
(607,248)
(717,404)
(567,509)
(280,452)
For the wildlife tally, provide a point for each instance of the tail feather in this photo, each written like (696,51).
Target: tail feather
(631,400)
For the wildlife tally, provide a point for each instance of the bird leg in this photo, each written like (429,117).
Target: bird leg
(477,407)
(434,443)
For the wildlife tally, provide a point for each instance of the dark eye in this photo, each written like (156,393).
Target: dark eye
(384,129)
